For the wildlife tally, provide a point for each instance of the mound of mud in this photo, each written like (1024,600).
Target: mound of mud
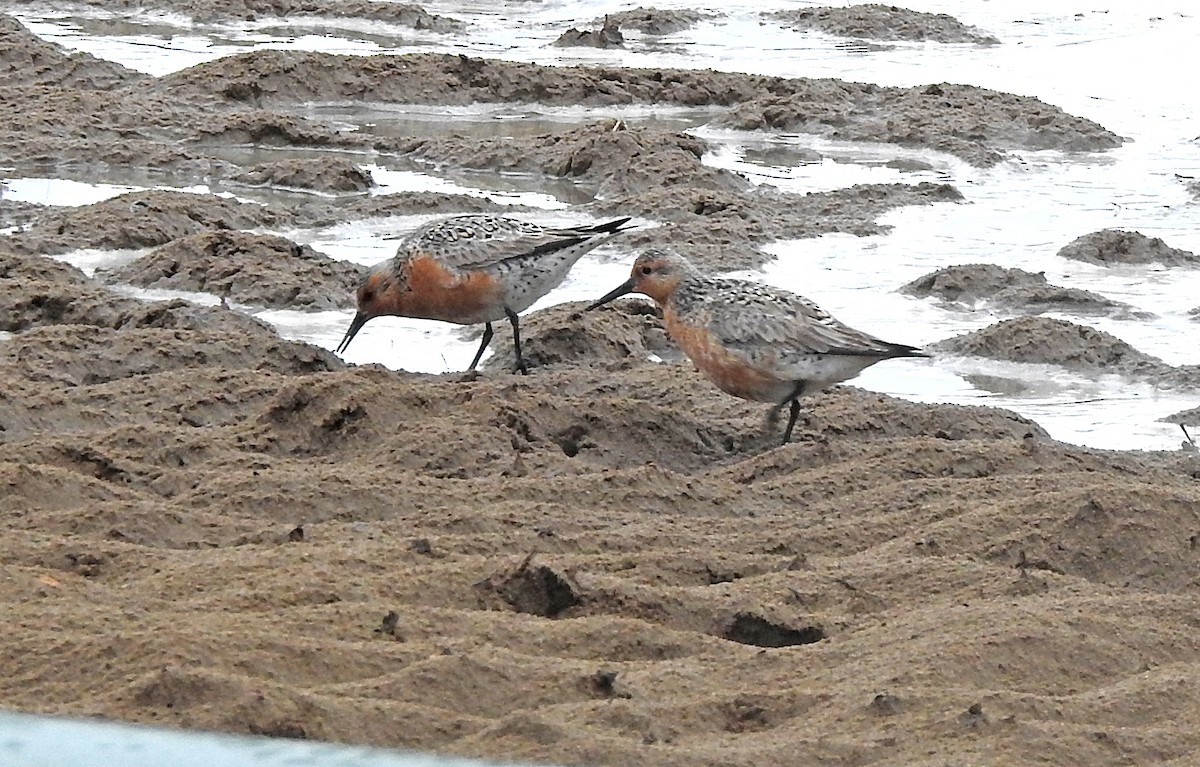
(82,355)
(607,36)
(1115,246)
(16,269)
(1041,340)
(71,332)
(566,334)
(16,213)
(609,157)
(588,541)
(659,175)
(655,21)
(319,213)
(333,175)
(27,302)
(254,269)
(26,60)
(723,231)
(135,220)
(973,123)
(404,14)
(96,127)
(263,128)
(970,286)
(603,538)
(876,21)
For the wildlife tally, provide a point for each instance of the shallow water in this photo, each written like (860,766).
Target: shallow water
(1124,67)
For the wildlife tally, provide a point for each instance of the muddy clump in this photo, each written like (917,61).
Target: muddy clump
(116,127)
(975,124)
(135,220)
(17,214)
(644,509)
(724,231)
(1041,340)
(404,14)
(83,355)
(332,175)
(875,21)
(1115,246)
(566,334)
(20,268)
(972,286)
(265,128)
(27,302)
(656,21)
(609,157)
(534,589)
(316,213)
(27,60)
(607,36)
(71,331)
(253,269)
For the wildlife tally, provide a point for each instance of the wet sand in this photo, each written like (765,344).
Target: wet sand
(605,562)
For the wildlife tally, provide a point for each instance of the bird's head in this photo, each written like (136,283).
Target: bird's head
(378,294)
(655,273)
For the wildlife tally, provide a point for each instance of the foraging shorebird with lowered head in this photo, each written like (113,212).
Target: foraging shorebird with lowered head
(752,340)
(472,269)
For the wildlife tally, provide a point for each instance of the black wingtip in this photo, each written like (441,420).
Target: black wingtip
(614,226)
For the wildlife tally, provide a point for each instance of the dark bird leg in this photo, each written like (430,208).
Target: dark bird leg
(1189,436)
(487,339)
(794,401)
(512,317)
(787,433)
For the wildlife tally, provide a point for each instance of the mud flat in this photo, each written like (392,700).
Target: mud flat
(605,562)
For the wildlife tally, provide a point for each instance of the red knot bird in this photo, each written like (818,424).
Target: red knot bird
(474,268)
(754,341)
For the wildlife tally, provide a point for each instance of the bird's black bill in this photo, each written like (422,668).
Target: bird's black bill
(360,319)
(625,289)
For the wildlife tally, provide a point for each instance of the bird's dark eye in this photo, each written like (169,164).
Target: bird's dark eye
(647,270)
(368,295)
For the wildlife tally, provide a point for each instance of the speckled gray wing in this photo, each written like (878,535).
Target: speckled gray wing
(748,316)
(478,241)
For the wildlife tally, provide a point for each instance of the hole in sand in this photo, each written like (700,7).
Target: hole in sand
(749,628)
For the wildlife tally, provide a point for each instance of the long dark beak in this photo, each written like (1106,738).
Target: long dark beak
(360,319)
(625,289)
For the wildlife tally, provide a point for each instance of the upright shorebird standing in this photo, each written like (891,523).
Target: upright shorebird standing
(474,268)
(752,340)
